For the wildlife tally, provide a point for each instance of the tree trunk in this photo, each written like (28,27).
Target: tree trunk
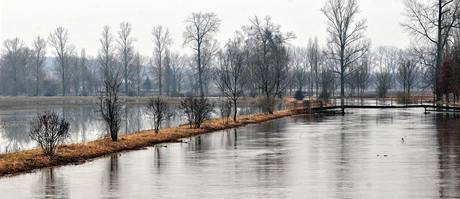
(235,110)
(159,74)
(126,74)
(37,83)
(200,71)
(438,52)
(63,81)
(342,81)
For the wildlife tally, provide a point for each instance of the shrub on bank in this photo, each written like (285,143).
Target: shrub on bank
(158,109)
(226,109)
(267,104)
(49,131)
(196,110)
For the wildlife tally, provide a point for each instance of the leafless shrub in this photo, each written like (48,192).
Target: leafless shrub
(226,109)
(267,104)
(159,111)
(49,130)
(110,108)
(196,110)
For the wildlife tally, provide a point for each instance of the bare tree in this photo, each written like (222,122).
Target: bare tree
(167,73)
(162,40)
(75,73)
(60,42)
(299,66)
(268,58)
(314,58)
(433,21)
(230,76)
(49,131)
(346,37)
(407,73)
(158,109)
(109,102)
(178,64)
(362,75)
(14,65)
(226,110)
(327,80)
(125,51)
(200,30)
(197,110)
(383,81)
(385,61)
(85,74)
(39,57)
(138,72)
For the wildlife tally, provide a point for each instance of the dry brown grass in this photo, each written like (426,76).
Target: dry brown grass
(25,161)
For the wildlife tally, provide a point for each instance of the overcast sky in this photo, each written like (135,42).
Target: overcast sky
(85,18)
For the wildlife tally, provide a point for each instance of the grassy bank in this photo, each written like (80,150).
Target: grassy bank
(26,161)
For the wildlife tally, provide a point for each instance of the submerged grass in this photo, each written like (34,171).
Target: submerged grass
(26,161)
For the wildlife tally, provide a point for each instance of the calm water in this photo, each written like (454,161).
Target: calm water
(85,123)
(360,155)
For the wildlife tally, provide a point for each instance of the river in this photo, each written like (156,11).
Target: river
(364,154)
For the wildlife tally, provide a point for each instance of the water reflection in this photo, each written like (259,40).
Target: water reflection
(448,127)
(157,158)
(356,156)
(110,180)
(16,138)
(52,185)
(85,123)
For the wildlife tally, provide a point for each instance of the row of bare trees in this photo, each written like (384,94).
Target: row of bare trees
(32,71)
(257,61)
(434,27)
(376,73)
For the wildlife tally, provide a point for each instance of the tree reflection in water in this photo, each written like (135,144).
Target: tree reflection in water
(52,185)
(15,138)
(448,135)
(111,178)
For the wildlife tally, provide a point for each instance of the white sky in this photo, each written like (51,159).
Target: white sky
(85,18)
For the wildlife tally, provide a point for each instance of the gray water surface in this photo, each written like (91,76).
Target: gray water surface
(360,155)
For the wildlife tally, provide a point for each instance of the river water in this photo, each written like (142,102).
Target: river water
(365,154)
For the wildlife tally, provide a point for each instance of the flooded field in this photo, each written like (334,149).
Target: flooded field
(85,123)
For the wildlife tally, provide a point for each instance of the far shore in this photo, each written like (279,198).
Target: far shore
(34,101)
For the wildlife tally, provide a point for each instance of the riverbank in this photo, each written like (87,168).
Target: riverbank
(26,161)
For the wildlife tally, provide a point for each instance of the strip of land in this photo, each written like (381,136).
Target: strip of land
(26,161)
